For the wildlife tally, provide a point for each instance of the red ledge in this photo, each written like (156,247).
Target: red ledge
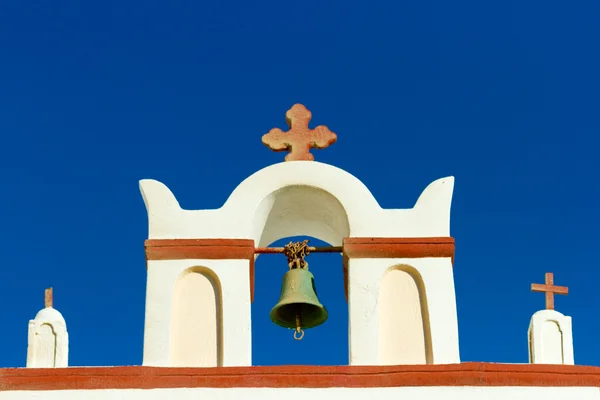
(465,374)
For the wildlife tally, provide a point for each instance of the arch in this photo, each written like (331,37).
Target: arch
(552,342)
(404,332)
(196,338)
(297,210)
(303,198)
(46,346)
(246,210)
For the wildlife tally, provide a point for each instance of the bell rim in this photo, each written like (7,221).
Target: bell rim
(323,319)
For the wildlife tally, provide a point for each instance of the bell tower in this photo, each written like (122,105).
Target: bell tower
(397,263)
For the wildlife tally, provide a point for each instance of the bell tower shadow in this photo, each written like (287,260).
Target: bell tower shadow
(326,344)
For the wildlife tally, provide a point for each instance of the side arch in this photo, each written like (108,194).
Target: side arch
(404,329)
(46,346)
(552,342)
(196,338)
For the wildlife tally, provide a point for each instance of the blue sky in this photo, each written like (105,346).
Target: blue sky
(503,95)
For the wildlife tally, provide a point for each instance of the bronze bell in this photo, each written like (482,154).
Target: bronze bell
(298,306)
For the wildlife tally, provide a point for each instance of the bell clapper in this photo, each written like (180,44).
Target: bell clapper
(298,330)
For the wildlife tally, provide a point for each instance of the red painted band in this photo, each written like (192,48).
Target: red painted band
(466,374)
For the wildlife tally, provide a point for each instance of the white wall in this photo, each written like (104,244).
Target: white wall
(550,338)
(234,280)
(196,322)
(48,340)
(247,210)
(403,320)
(404,393)
(365,276)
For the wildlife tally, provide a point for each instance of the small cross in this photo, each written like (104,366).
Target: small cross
(549,289)
(48,297)
(299,139)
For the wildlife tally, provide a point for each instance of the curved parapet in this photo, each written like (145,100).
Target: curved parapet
(300,198)
(433,206)
(157,196)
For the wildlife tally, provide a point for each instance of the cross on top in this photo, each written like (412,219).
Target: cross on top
(549,289)
(299,139)
(48,297)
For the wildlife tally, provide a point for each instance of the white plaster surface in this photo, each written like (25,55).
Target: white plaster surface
(196,324)
(404,393)
(234,279)
(403,334)
(364,283)
(550,338)
(299,198)
(48,340)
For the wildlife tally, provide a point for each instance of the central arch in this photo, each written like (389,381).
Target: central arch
(300,210)
(297,212)
(301,198)
(326,344)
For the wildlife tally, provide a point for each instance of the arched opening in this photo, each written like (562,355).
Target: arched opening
(298,210)
(552,343)
(295,213)
(46,346)
(196,325)
(404,334)
(326,344)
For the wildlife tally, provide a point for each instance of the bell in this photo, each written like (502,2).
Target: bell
(298,305)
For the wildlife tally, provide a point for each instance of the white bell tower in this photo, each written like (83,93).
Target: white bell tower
(397,262)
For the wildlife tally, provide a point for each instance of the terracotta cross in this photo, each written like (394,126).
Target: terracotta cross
(48,298)
(549,289)
(299,139)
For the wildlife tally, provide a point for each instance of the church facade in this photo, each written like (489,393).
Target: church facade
(200,286)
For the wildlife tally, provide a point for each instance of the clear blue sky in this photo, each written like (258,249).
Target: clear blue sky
(503,95)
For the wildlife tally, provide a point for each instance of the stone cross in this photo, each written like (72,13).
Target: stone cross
(48,297)
(299,139)
(549,289)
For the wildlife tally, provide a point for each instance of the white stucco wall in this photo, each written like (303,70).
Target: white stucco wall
(234,279)
(48,340)
(403,322)
(550,338)
(299,198)
(404,393)
(364,283)
(196,320)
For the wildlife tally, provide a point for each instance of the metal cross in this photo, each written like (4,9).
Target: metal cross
(299,139)
(549,289)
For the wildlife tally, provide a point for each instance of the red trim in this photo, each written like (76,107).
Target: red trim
(358,247)
(210,249)
(399,247)
(466,374)
(215,249)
